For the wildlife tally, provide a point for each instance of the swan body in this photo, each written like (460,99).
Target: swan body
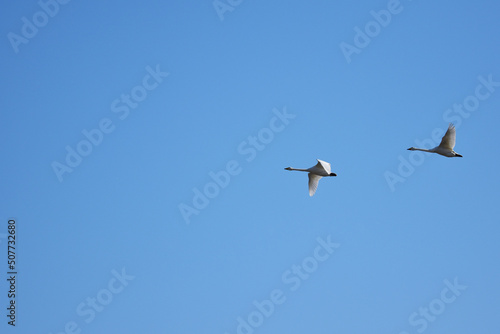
(445,148)
(321,169)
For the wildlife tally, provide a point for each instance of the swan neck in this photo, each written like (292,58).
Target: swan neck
(424,150)
(299,169)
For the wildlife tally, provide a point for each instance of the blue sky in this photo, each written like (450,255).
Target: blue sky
(143,156)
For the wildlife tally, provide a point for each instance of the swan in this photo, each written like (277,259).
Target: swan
(446,146)
(321,169)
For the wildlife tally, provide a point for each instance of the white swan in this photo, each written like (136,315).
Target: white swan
(446,146)
(321,169)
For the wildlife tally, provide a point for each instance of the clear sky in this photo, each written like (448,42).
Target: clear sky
(143,154)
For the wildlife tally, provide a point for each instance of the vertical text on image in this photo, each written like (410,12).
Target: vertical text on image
(12,271)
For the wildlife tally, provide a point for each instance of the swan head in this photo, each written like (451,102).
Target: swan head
(333,174)
(288,168)
(411,149)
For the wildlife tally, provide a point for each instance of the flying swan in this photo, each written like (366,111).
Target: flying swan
(321,169)
(446,146)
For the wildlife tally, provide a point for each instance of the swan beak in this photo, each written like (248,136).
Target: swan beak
(410,149)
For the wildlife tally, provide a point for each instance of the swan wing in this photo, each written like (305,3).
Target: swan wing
(448,141)
(323,166)
(313,183)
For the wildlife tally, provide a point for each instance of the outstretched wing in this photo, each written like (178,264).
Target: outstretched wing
(313,183)
(323,165)
(448,141)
